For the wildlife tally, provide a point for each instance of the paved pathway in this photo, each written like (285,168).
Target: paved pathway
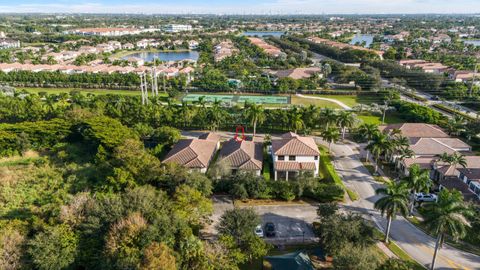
(339,103)
(415,242)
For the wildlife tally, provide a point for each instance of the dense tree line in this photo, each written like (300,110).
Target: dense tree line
(89,80)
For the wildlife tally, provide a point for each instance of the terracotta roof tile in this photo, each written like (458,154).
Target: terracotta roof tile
(416,130)
(294,166)
(246,155)
(293,145)
(192,153)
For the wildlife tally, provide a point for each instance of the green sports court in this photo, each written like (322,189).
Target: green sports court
(238,99)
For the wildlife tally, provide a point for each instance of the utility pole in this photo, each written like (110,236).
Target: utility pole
(473,81)
(141,89)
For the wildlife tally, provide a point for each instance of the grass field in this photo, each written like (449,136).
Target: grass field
(317,102)
(352,100)
(377,120)
(91,91)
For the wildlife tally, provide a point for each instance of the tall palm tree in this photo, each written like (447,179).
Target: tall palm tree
(310,115)
(346,119)
(186,113)
(418,180)
(379,145)
(296,122)
(330,135)
(368,132)
(394,201)
(447,216)
(255,114)
(328,116)
(215,115)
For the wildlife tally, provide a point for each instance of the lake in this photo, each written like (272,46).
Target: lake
(368,39)
(475,42)
(165,56)
(263,33)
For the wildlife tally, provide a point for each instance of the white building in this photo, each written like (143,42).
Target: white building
(293,154)
(175,28)
(6,43)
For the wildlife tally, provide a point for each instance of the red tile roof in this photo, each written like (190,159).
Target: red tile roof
(246,155)
(292,144)
(192,153)
(294,166)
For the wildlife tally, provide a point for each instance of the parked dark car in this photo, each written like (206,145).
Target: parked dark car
(269,229)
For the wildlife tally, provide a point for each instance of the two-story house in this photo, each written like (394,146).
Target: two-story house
(293,154)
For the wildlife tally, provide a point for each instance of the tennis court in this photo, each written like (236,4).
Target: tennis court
(231,99)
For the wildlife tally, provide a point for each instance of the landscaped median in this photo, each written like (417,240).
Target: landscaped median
(328,172)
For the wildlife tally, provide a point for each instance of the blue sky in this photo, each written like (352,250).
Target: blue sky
(243,6)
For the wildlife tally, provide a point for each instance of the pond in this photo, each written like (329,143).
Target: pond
(360,38)
(165,56)
(475,42)
(263,33)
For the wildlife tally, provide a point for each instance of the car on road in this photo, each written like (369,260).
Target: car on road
(424,197)
(259,231)
(269,229)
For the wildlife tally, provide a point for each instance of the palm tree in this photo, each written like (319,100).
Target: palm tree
(215,115)
(456,125)
(368,132)
(186,113)
(447,216)
(418,180)
(255,114)
(346,119)
(331,135)
(394,202)
(328,116)
(296,121)
(453,159)
(379,145)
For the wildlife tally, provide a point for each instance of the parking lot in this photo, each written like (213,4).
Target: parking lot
(292,222)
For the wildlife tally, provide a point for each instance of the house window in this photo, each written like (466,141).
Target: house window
(281,157)
(316,157)
(291,158)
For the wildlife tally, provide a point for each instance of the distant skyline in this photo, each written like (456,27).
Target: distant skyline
(243,6)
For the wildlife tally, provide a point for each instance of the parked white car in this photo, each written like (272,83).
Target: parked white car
(259,231)
(424,197)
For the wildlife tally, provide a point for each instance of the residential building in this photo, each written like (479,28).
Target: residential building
(427,142)
(242,156)
(297,73)
(293,154)
(175,28)
(107,32)
(195,154)
(6,43)
(269,49)
(465,179)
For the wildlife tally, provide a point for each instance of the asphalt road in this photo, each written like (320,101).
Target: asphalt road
(415,242)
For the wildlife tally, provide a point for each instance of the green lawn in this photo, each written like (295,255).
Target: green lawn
(91,91)
(377,120)
(352,100)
